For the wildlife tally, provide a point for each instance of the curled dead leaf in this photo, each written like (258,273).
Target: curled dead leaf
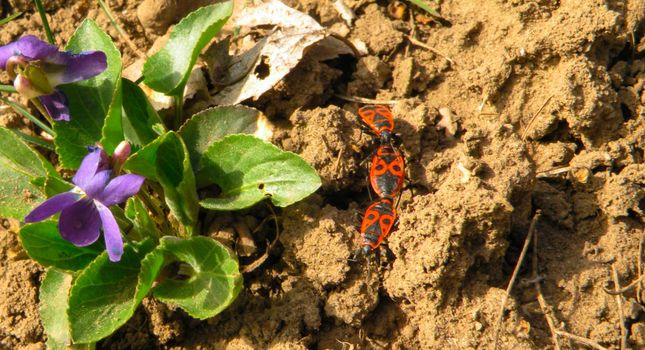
(258,69)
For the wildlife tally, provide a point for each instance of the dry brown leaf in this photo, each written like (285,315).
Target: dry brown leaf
(257,70)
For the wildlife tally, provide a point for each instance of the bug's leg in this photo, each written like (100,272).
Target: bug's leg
(367,177)
(369,190)
(358,215)
(398,200)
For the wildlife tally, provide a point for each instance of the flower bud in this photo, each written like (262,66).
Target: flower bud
(24,87)
(32,82)
(122,152)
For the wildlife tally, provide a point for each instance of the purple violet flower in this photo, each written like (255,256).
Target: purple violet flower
(84,209)
(37,68)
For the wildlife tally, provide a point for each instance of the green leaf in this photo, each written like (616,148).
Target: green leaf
(21,172)
(112,132)
(17,195)
(215,280)
(166,160)
(212,125)
(43,243)
(425,7)
(54,185)
(106,294)
(177,179)
(139,117)
(248,170)
(53,303)
(94,103)
(168,70)
(143,162)
(25,159)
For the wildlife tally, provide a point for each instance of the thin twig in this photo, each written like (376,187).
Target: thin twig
(257,263)
(347,42)
(430,48)
(122,33)
(554,171)
(528,126)
(582,340)
(546,310)
(640,272)
(619,301)
(340,155)
(43,17)
(625,289)
(511,283)
(366,100)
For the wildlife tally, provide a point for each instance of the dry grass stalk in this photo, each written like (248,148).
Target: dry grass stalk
(581,340)
(511,283)
(619,301)
(528,126)
(546,310)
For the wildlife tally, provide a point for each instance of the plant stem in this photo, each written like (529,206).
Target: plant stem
(8,88)
(122,33)
(20,109)
(43,16)
(147,201)
(35,140)
(191,230)
(179,106)
(39,106)
(158,216)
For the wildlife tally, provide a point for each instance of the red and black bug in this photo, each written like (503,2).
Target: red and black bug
(379,221)
(378,118)
(387,173)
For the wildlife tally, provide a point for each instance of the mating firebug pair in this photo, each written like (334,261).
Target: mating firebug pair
(386,177)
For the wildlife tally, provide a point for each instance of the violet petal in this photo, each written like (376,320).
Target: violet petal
(80,66)
(56,106)
(97,183)
(52,206)
(89,167)
(6,52)
(120,189)
(111,233)
(33,48)
(80,223)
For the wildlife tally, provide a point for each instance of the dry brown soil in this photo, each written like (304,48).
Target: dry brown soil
(545,112)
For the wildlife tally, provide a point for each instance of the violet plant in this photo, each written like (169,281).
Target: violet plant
(134,180)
